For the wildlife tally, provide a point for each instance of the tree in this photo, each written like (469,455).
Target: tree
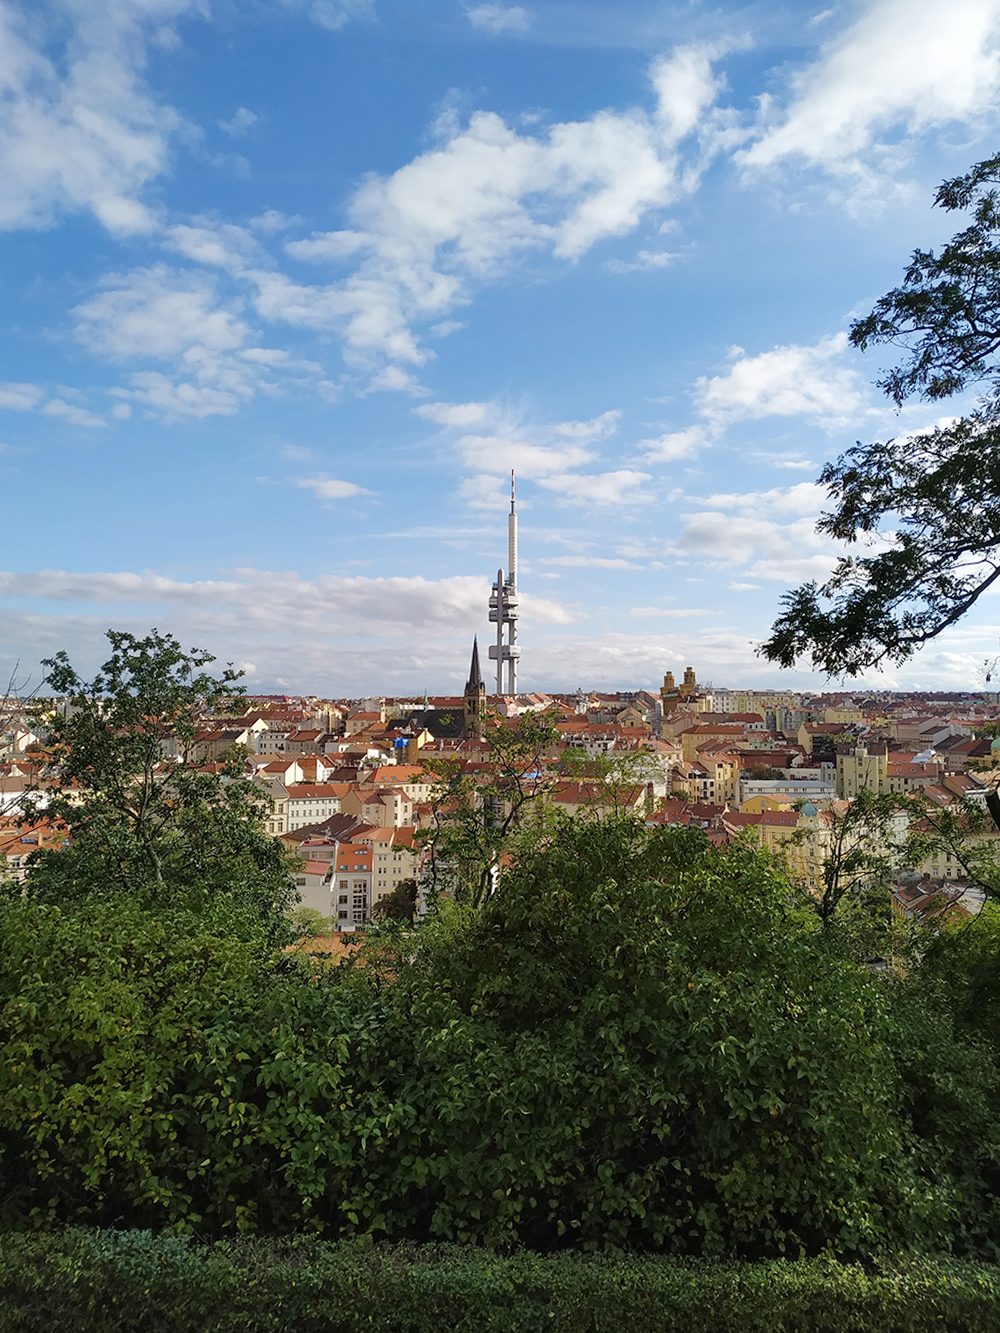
(864,847)
(929,504)
(481,815)
(962,830)
(140,823)
(399,905)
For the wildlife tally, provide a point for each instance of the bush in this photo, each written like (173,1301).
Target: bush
(636,1043)
(115,1282)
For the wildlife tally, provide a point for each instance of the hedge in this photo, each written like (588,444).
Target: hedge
(119,1281)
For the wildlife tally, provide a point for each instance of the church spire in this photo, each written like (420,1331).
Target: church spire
(475,675)
(475,697)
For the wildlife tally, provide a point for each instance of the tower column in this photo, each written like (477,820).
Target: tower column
(504,609)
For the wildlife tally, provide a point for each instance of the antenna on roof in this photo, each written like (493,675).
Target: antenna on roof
(512,490)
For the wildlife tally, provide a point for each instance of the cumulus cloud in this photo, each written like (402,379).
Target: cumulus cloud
(76,416)
(345,635)
(26,397)
(238,124)
(453,414)
(326,488)
(20,397)
(622,487)
(177,316)
(79,128)
(588,562)
(676,445)
(464,211)
(898,69)
(497,18)
(543,453)
(332,14)
(678,612)
(643,262)
(787,381)
(788,552)
(807,497)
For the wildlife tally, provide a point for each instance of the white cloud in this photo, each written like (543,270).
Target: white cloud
(484,492)
(466,210)
(499,454)
(588,562)
(541,453)
(76,416)
(326,488)
(271,221)
(676,445)
(643,262)
(792,462)
(239,122)
(20,397)
(347,636)
(622,487)
(807,497)
(177,399)
(497,18)
(160,313)
(332,14)
(680,614)
(904,66)
(26,397)
(342,634)
(453,414)
(787,381)
(177,316)
(78,127)
(394,380)
(597,428)
(768,549)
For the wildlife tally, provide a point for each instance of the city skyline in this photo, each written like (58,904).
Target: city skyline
(291,287)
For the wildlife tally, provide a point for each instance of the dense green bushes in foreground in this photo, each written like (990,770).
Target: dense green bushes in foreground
(640,1041)
(116,1282)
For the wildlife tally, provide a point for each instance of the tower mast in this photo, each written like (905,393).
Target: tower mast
(504,610)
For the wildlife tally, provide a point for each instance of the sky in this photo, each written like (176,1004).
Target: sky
(287,288)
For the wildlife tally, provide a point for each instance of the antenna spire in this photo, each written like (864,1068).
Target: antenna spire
(512,490)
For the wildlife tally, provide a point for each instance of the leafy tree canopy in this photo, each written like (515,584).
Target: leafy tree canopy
(144,817)
(928,506)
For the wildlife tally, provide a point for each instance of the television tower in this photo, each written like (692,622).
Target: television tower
(503,609)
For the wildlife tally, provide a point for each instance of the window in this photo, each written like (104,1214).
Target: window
(343,883)
(342,898)
(341,916)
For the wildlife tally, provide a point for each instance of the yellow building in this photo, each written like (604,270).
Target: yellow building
(845,716)
(862,768)
(687,695)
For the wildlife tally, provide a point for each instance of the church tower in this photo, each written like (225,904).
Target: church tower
(475,698)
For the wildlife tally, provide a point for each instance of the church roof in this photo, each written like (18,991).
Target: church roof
(475,680)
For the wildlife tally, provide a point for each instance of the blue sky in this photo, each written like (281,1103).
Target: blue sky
(288,286)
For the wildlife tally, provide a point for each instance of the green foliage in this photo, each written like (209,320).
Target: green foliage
(307,921)
(690,1068)
(938,493)
(637,1041)
(115,1282)
(142,826)
(481,817)
(399,905)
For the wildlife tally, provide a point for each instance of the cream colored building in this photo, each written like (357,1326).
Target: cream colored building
(862,768)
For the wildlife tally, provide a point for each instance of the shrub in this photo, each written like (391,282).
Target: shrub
(115,1282)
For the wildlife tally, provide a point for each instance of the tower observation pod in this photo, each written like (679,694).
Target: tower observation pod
(503,610)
